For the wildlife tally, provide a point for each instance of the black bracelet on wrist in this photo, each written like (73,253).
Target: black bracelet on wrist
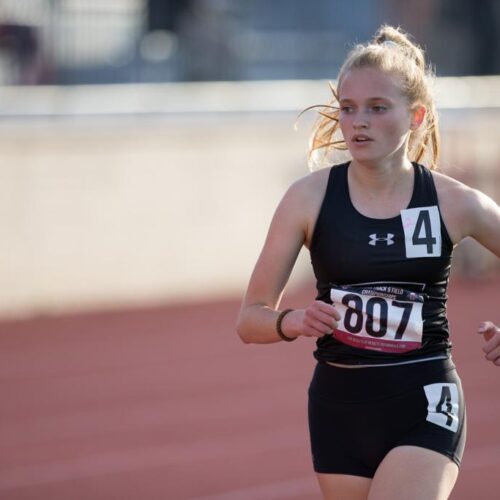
(279,320)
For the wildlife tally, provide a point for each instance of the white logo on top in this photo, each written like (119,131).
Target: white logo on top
(389,239)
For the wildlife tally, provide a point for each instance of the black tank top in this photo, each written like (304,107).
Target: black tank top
(387,277)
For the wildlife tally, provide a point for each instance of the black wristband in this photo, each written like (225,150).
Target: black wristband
(279,320)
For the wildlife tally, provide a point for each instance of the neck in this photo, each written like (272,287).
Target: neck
(381,178)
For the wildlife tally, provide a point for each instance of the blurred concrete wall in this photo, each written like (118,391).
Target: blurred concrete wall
(105,213)
(119,211)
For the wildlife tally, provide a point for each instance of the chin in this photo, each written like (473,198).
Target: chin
(372,157)
(366,158)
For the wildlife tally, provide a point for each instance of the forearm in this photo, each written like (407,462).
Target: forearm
(257,325)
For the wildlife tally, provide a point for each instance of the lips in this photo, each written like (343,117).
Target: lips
(361,138)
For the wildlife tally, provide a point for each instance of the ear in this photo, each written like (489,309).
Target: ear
(417,116)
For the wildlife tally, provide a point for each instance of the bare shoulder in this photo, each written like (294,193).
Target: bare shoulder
(307,192)
(306,196)
(452,191)
(463,208)
(463,198)
(309,185)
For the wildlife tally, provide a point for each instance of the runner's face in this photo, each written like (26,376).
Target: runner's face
(375,118)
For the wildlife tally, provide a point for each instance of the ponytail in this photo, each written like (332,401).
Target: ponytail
(393,52)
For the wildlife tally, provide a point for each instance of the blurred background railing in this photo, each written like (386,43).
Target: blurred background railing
(145,144)
(112,41)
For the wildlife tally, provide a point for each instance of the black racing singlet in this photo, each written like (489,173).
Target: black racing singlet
(388,278)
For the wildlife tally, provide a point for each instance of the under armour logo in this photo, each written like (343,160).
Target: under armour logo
(389,240)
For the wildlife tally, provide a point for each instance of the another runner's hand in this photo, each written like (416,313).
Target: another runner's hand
(491,348)
(317,320)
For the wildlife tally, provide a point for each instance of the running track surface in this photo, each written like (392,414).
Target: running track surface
(167,403)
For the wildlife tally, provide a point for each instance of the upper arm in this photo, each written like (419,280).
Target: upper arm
(484,221)
(284,240)
(469,212)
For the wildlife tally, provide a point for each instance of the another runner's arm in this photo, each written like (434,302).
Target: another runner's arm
(288,231)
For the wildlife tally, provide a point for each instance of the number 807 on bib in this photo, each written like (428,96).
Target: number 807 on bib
(376,321)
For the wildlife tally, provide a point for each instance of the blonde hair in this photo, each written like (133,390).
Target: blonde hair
(392,52)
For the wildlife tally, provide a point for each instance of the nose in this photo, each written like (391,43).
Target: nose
(360,121)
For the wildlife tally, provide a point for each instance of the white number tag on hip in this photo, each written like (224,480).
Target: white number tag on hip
(378,321)
(422,228)
(443,407)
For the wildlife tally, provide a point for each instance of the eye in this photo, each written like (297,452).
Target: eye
(346,109)
(379,108)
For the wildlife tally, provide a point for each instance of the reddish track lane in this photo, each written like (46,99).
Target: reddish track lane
(167,403)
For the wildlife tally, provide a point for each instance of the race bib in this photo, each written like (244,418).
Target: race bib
(443,407)
(380,318)
(422,228)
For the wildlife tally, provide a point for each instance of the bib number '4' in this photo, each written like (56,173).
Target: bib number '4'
(443,408)
(422,228)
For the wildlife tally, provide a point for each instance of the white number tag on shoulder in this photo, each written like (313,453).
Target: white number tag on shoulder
(422,228)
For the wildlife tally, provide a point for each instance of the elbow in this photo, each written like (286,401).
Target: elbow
(244,339)
(242,331)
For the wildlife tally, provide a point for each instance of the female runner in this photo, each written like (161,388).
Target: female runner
(386,410)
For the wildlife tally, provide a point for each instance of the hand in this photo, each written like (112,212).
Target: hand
(491,348)
(317,320)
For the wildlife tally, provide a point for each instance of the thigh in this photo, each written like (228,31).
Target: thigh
(343,486)
(413,473)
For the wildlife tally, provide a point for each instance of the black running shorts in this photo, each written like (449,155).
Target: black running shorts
(357,415)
